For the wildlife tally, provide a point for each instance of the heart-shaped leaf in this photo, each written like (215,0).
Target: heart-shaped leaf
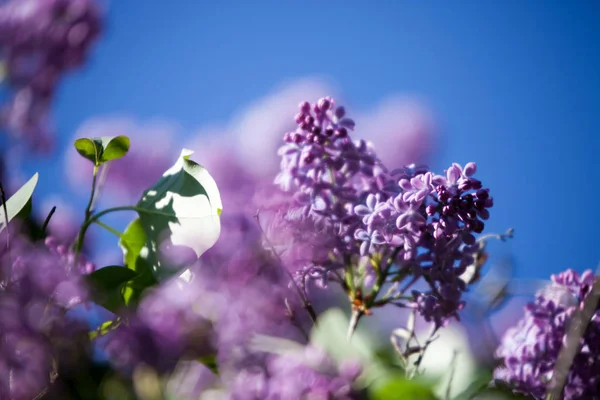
(103,149)
(114,147)
(135,252)
(180,216)
(107,283)
(18,201)
(89,149)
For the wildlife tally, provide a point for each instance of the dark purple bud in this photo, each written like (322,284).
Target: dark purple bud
(430,210)
(309,137)
(309,119)
(489,202)
(323,104)
(304,126)
(309,158)
(483,194)
(477,226)
(347,123)
(329,131)
(341,132)
(475,184)
(297,138)
(443,194)
(299,118)
(304,107)
(316,130)
(340,112)
(484,214)
(479,204)
(464,185)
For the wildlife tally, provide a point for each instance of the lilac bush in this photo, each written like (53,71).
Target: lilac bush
(229,272)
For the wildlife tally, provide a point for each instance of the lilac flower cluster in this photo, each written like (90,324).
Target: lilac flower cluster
(38,342)
(530,349)
(40,41)
(386,226)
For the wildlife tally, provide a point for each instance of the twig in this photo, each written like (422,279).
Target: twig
(47,220)
(576,330)
(451,378)
(305,301)
(295,322)
(3,198)
(354,318)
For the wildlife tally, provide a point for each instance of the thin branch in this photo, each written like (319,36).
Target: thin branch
(47,220)
(452,369)
(305,301)
(354,318)
(3,198)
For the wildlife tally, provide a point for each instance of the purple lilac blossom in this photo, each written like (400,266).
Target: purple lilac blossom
(39,343)
(529,350)
(422,223)
(307,373)
(40,41)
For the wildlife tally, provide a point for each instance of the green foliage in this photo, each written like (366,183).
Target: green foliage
(400,388)
(19,204)
(180,217)
(133,244)
(106,285)
(104,149)
(105,328)
(210,361)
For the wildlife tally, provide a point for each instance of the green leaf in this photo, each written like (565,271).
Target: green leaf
(180,216)
(107,283)
(104,149)
(18,201)
(133,244)
(480,383)
(105,328)
(114,148)
(89,149)
(401,388)
(210,361)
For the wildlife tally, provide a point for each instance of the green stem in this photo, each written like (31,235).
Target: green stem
(88,210)
(109,228)
(95,218)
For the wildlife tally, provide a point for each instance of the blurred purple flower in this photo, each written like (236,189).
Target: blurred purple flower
(38,341)
(40,41)
(529,350)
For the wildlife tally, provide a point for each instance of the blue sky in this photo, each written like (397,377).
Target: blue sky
(513,85)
